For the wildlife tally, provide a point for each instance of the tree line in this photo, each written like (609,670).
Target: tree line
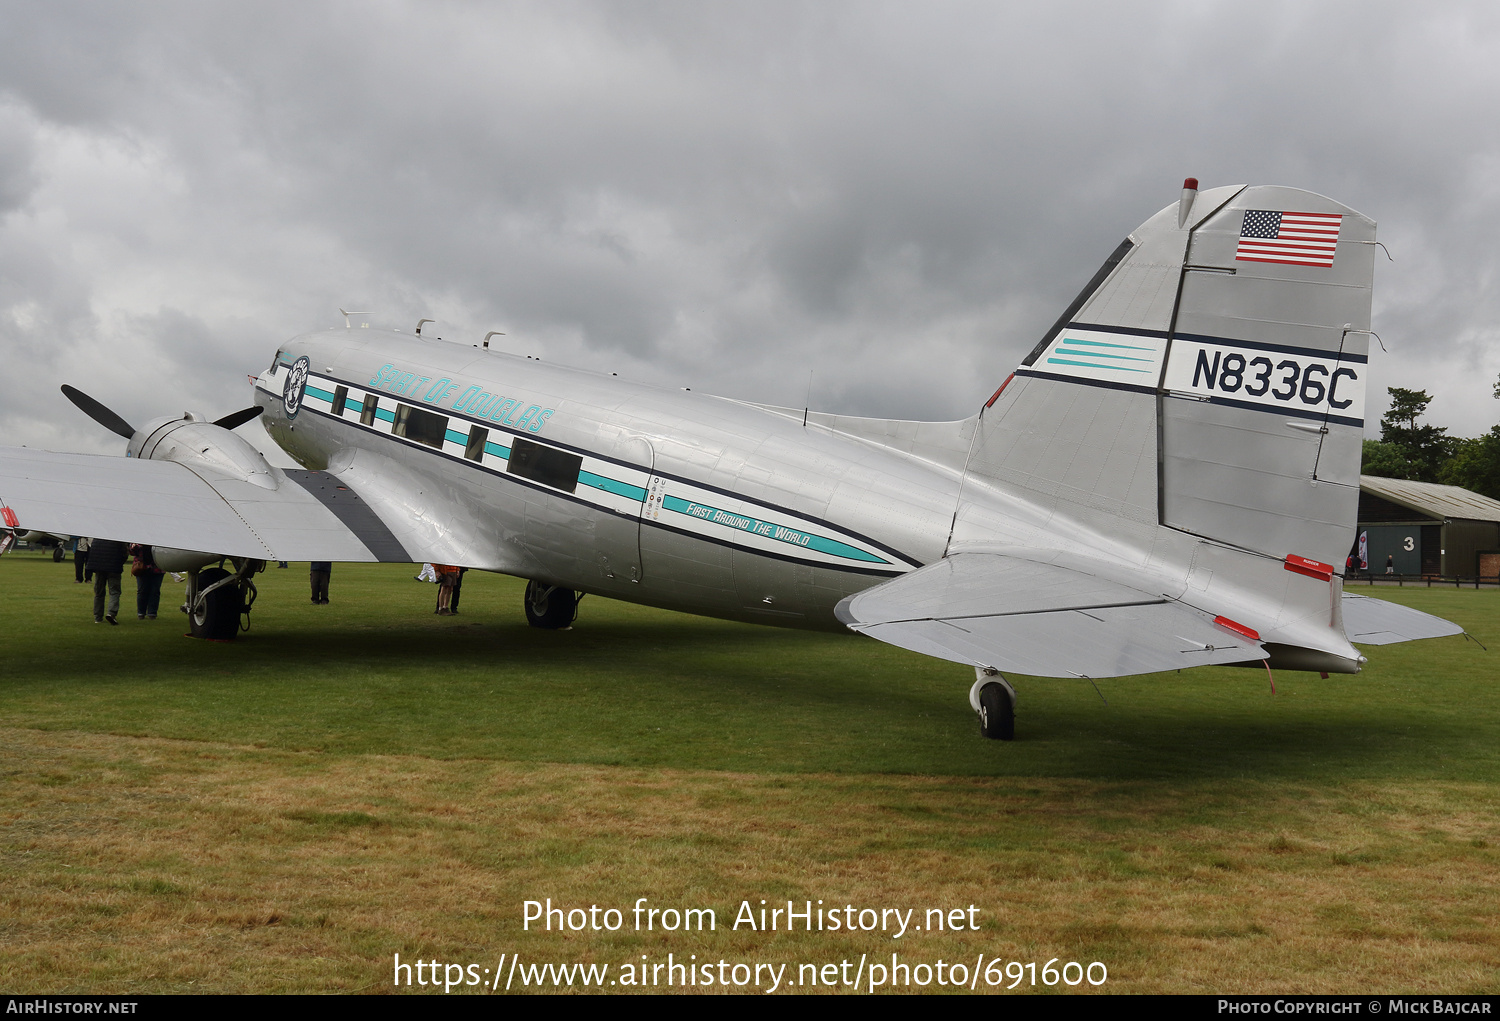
(1426,453)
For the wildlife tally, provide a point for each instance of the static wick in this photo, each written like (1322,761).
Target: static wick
(1267,664)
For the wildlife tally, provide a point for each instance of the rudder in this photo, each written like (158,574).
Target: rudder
(1210,378)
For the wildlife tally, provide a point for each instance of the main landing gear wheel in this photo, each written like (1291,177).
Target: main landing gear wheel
(550,607)
(217,615)
(995,701)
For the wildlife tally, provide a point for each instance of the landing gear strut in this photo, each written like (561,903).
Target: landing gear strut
(550,607)
(994,700)
(216,599)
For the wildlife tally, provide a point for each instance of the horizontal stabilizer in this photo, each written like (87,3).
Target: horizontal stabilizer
(1024,617)
(1371,621)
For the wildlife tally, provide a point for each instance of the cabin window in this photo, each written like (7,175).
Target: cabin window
(421,426)
(339,397)
(555,468)
(474,451)
(367,415)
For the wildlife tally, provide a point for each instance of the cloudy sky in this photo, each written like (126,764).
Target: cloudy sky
(896,198)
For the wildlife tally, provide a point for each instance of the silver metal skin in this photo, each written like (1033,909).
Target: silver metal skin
(1168,480)
(755,465)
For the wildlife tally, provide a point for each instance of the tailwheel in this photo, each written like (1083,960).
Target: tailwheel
(993,698)
(550,607)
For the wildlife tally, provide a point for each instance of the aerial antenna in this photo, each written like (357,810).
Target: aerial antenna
(420,322)
(348,314)
(487,336)
(807,403)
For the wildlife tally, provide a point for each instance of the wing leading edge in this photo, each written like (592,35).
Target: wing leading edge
(307,516)
(1045,620)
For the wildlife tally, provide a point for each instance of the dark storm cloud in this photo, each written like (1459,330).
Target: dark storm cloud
(895,198)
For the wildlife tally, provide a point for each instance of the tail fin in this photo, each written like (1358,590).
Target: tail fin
(1210,378)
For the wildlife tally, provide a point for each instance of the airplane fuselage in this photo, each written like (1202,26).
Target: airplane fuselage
(586,481)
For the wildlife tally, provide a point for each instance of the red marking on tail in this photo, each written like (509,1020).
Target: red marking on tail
(992,400)
(1311,568)
(1237,628)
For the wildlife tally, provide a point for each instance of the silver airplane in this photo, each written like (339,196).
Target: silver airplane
(1169,479)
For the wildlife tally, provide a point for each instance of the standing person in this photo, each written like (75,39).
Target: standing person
(318,574)
(80,558)
(447,579)
(458,589)
(147,582)
(106,561)
(1390,563)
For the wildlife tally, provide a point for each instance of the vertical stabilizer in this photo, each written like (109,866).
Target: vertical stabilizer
(1210,378)
(1263,395)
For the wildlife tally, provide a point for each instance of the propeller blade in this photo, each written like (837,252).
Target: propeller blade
(98,412)
(238,419)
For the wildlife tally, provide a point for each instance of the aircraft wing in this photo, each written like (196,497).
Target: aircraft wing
(1371,621)
(308,515)
(1025,617)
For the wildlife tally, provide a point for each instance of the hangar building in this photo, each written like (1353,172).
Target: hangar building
(1429,529)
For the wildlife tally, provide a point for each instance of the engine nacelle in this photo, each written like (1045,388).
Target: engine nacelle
(182,560)
(196,442)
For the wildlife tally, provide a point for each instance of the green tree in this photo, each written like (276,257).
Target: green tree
(1475,465)
(1384,460)
(1423,448)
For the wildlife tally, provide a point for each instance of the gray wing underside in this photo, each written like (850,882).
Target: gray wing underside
(1025,617)
(309,515)
(1371,621)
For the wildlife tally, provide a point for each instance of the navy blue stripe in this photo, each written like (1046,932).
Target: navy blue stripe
(1284,411)
(877,544)
(876,572)
(516,480)
(1128,331)
(1255,345)
(1104,383)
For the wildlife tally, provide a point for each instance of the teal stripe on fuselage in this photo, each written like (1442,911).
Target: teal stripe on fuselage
(1098,354)
(320,394)
(741,522)
(1092,365)
(615,486)
(769,530)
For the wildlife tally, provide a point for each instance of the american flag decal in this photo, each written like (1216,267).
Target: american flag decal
(1294,239)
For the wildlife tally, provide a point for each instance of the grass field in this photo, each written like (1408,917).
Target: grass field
(343,783)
